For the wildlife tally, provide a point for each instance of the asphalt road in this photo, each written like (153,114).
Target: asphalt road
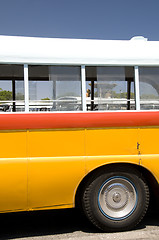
(68,224)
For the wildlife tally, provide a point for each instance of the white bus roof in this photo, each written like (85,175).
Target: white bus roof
(33,50)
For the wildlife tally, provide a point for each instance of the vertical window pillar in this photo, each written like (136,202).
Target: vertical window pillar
(14,94)
(26,87)
(83,78)
(137,92)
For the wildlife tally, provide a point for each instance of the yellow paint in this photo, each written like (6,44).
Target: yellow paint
(13,144)
(53,181)
(149,140)
(111,141)
(57,143)
(149,147)
(13,184)
(13,171)
(93,162)
(54,176)
(41,169)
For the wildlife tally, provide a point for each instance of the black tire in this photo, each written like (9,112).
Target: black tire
(116,199)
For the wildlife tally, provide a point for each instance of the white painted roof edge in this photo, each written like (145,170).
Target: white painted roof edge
(34,50)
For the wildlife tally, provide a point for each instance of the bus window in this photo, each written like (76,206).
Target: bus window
(149,88)
(11,88)
(54,88)
(110,88)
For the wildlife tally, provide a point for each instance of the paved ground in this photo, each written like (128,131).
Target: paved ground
(67,224)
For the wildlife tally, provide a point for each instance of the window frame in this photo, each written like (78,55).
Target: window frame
(83,85)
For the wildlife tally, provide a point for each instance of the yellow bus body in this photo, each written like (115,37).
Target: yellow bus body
(42,169)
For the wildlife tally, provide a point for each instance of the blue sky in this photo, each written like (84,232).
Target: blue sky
(95,19)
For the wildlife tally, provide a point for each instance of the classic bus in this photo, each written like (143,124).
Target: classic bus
(79,126)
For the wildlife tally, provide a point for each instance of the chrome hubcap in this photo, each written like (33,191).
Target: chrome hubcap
(117,198)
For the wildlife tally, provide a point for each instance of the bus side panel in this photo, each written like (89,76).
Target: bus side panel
(56,167)
(149,149)
(13,171)
(111,145)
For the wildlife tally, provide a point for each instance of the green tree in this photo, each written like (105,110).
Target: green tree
(45,98)
(5,95)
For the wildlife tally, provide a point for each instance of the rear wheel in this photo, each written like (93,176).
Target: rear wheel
(116,200)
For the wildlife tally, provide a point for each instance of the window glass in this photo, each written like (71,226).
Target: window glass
(110,88)
(149,87)
(54,88)
(11,88)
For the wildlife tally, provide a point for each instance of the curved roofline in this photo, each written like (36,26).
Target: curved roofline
(63,51)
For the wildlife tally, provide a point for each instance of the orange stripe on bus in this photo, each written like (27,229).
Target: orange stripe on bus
(15,121)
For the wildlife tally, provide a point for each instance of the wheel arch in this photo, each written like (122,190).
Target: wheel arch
(149,177)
